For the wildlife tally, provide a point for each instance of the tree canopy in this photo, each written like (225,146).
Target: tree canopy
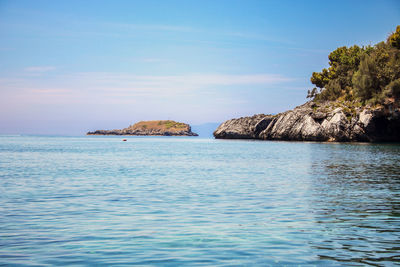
(369,74)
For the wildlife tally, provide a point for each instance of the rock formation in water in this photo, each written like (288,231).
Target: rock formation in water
(161,127)
(329,121)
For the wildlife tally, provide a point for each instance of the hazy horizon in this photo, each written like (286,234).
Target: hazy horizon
(70,67)
(204,130)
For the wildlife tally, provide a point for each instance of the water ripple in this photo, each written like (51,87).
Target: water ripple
(187,201)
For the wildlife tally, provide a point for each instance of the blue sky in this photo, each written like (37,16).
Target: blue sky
(67,67)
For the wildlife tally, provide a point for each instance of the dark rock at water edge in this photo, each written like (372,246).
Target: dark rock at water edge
(318,122)
(137,132)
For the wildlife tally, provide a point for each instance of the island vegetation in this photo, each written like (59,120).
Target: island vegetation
(163,125)
(366,75)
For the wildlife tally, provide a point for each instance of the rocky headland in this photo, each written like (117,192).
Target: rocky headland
(329,121)
(159,127)
(357,98)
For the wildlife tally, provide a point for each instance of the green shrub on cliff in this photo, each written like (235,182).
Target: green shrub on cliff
(394,38)
(375,78)
(368,74)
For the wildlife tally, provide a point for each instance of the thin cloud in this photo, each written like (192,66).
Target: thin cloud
(51,91)
(40,69)
(152,60)
(77,87)
(151,27)
(258,37)
(189,79)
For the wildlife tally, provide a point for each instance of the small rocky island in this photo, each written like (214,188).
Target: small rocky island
(160,128)
(356,99)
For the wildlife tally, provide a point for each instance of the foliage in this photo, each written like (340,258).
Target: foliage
(173,124)
(160,125)
(312,93)
(394,38)
(368,74)
(393,89)
(377,73)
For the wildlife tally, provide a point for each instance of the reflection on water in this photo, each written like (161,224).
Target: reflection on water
(356,203)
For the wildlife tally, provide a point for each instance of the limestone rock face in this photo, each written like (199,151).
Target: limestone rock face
(243,128)
(322,122)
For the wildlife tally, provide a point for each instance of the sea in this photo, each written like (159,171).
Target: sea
(189,201)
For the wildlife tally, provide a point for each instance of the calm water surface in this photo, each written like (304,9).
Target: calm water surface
(190,201)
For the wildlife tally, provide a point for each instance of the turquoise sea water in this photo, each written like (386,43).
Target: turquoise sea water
(189,201)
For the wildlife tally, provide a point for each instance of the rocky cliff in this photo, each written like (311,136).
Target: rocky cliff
(329,121)
(160,127)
